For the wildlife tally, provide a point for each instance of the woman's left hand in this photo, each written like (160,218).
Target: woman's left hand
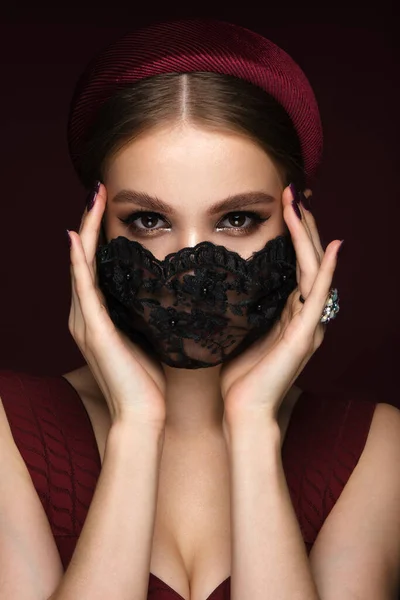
(256,382)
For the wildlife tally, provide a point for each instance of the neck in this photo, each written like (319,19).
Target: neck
(193,401)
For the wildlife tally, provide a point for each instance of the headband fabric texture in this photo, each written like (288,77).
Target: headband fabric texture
(205,45)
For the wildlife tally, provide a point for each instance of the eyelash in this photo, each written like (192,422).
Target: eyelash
(129,221)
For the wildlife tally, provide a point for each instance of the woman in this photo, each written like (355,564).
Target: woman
(200,290)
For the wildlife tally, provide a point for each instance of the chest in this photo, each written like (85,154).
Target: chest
(191,542)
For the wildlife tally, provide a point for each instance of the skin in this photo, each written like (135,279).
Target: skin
(191,169)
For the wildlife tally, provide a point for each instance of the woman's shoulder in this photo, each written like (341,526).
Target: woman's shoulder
(350,411)
(336,400)
(18,381)
(26,390)
(19,393)
(44,417)
(331,421)
(43,410)
(30,424)
(24,387)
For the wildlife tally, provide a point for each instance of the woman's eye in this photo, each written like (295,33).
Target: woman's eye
(237,220)
(145,222)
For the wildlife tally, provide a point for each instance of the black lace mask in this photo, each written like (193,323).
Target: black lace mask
(199,306)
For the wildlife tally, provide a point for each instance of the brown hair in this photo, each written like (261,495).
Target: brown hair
(212,100)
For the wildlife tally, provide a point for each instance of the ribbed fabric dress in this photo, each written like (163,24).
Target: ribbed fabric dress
(52,430)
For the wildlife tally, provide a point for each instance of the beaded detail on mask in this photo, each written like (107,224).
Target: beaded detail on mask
(198,306)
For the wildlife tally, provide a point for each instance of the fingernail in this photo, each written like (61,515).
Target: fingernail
(295,194)
(296,208)
(340,247)
(306,202)
(69,238)
(296,200)
(90,200)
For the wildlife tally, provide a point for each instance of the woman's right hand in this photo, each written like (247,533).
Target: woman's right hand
(133,383)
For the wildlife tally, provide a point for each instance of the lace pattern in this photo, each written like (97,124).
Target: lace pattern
(199,306)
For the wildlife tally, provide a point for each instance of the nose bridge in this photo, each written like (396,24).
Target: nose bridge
(191,228)
(192,233)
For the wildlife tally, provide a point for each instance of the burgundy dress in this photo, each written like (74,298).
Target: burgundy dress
(52,430)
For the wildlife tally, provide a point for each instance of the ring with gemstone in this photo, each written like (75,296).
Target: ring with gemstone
(331,307)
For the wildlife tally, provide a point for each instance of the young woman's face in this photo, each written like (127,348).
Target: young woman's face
(178,176)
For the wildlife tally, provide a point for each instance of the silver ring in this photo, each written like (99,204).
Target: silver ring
(331,307)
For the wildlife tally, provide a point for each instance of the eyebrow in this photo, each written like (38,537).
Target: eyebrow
(152,203)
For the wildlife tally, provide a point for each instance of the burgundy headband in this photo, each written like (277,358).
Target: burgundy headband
(198,45)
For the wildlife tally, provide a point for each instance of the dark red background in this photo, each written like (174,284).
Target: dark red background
(349,57)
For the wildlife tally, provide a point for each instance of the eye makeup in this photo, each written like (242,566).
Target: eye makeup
(255,218)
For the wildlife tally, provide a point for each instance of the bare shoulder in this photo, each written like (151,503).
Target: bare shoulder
(385,413)
(384,433)
(381,454)
(361,534)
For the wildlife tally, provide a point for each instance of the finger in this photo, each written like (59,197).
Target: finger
(307,262)
(76,319)
(91,225)
(316,300)
(309,222)
(90,302)
(75,316)
(303,218)
(91,197)
(90,231)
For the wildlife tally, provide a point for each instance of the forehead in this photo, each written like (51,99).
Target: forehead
(187,162)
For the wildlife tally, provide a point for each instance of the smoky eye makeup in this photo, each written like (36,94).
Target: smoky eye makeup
(238,222)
